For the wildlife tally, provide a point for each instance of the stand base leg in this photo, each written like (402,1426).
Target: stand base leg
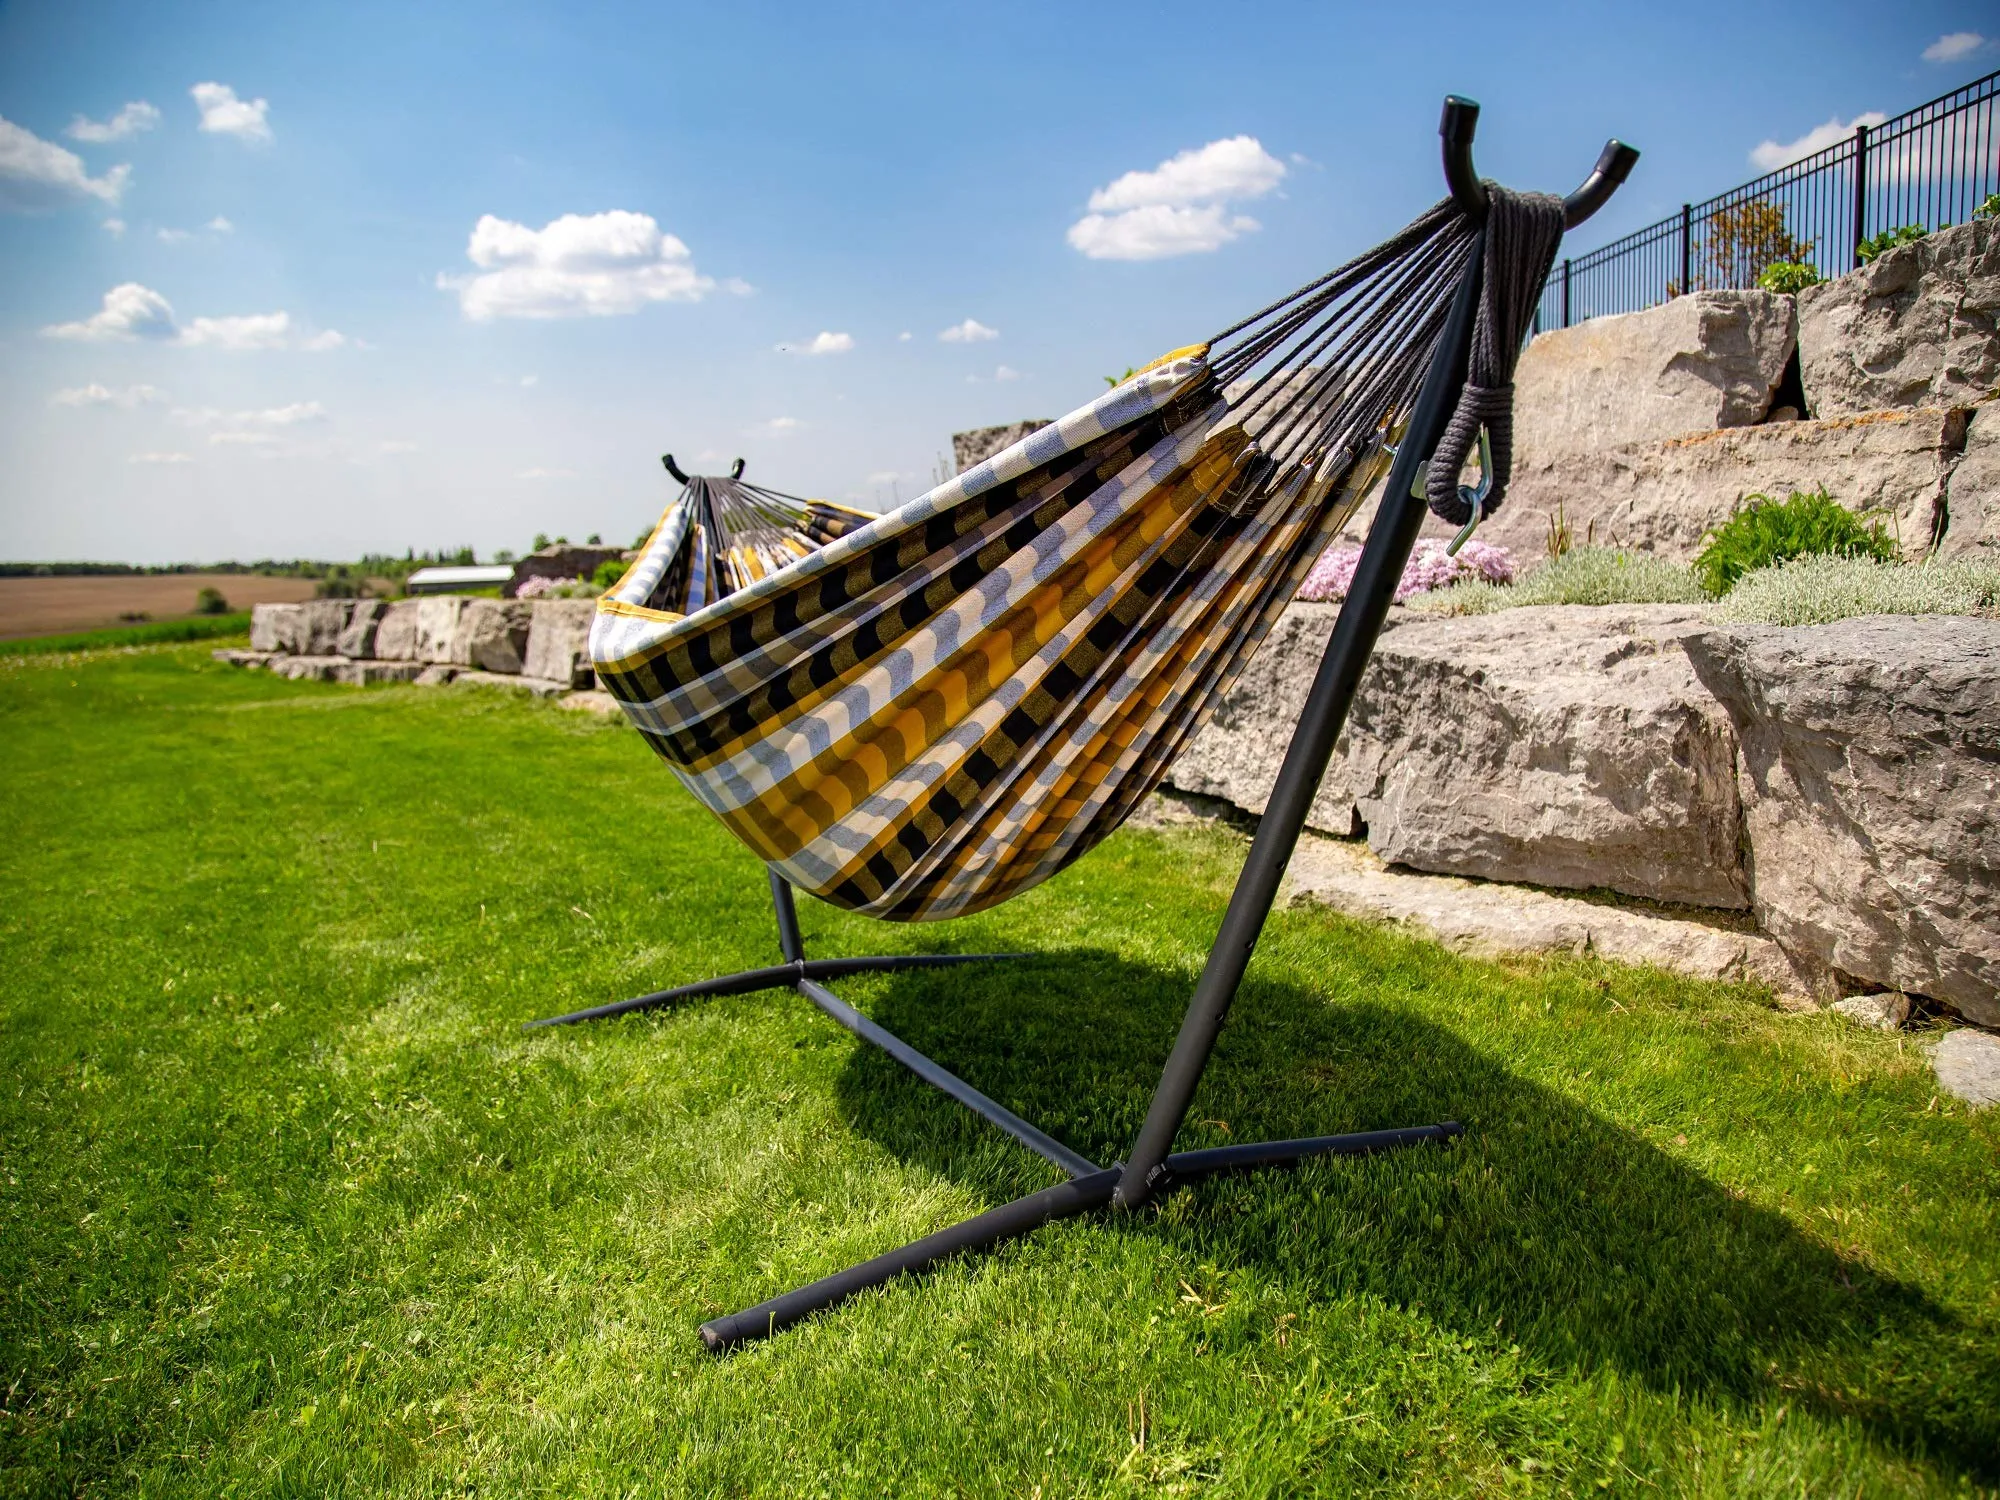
(1025,1215)
(778,977)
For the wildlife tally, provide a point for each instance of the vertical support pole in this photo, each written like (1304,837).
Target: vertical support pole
(789,942)
(1398,517)
(1687,248)
(1565,291)
(1860,191)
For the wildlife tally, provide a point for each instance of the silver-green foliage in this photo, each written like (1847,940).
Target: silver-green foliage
(1583,575)
(1818,590)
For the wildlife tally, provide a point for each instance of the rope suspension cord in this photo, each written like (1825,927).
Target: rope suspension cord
(1523,231)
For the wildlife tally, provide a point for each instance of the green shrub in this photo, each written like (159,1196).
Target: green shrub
(1818,590)
(1789,276)
(1582,575)
(1766,531)
(1990,209)
(210,602)
(609,572)
(1888,240)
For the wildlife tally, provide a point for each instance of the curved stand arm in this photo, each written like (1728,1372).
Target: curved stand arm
(673,468)
(1461,122)
(737,472)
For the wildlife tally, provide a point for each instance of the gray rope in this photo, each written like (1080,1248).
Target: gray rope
(1523,231)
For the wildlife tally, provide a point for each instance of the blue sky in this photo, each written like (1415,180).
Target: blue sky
(241,313)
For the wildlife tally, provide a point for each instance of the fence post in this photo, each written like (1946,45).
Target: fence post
(1860,190)
(1565,291)
(1687,248)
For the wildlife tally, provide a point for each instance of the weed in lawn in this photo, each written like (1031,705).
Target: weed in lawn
(290,1203)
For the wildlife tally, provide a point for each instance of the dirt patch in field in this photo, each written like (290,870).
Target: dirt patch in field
(55,606)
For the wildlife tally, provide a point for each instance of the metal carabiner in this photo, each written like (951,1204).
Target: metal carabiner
(1476,498)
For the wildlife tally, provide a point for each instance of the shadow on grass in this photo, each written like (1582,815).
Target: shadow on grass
(1571,1236)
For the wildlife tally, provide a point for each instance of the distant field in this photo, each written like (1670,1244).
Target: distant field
(44,606)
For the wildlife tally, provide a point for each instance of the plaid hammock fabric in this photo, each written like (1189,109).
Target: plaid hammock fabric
(941,707)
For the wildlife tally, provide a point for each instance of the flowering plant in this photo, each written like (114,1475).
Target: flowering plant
(1428,568)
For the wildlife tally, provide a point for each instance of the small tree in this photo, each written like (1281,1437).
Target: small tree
(1742,241)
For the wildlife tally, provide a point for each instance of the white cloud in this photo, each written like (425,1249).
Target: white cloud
(884,476)
(130,311)
(577,265)
(971,331)
(240,438)
(220,225)
(903,337)
(779,425)
(249,331)
(546,474)
(1181,207)
(160,458)
(1953,45)
(528,382)
(397,445)
(136,116)
(1158,231)
(114,227)
(173,236)
(36,174)
(1221,172)
(298,413)
(821,343)
(222,113)
(99,395)
(1006,372)
(1768,156)
(736,286)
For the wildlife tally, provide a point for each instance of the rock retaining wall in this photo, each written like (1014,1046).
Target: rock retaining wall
(542,644)
(1839,781)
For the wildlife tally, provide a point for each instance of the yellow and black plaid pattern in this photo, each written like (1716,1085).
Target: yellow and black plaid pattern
(943,708)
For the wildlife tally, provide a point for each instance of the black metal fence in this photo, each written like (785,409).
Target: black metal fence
(1932,166)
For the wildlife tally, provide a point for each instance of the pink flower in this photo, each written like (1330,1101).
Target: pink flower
(1428,568)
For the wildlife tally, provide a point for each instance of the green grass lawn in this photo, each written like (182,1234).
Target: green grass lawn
(292,1204)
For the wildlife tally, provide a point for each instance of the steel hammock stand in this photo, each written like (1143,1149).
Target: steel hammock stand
(937,709)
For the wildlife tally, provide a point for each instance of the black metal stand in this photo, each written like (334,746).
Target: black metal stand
(1154,1167)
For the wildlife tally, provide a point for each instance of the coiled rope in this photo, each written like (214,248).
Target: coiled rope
(1523,231)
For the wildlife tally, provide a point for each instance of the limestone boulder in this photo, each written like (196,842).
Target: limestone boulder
(559,641)
(969,449)
(438,627)
(1915,327)
(492,635)
(1697,363)
(1967,1064)
(396,631)
(357,640)
(1870,776)
(320,622)
(274,627)
(1568,747)
(1972,491)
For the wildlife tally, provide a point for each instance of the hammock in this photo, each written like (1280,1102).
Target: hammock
(942,707)
(938,708)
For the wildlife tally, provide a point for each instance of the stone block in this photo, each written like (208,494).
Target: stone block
(1870,776)
(1972,491)
(368,673)
(559,641)
(1967,1064)
(970,449)
(396,631)
(1697,363)
(1561,747)
(357,640)
(274,627)
(320,623)
(492,635)
(540,687)
(438,628)
(434,674)
(1915,327)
